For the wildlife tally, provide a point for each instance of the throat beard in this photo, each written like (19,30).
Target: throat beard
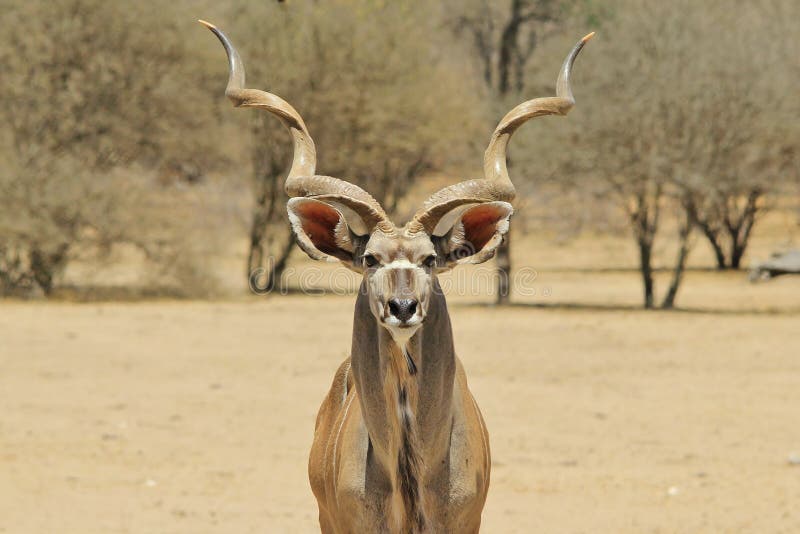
(401,390)
(402,338)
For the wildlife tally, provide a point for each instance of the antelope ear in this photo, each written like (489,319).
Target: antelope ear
(321,230)
(472,233)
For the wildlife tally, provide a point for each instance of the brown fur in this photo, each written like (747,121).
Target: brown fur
(407,453)
(399,445)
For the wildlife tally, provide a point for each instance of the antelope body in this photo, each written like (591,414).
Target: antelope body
(400,445)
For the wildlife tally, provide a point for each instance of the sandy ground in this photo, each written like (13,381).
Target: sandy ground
(194,417)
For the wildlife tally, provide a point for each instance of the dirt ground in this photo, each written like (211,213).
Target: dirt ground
(194,417)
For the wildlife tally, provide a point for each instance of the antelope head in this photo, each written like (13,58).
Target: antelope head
(335,220)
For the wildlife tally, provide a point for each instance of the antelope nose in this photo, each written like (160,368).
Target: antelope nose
(403,309)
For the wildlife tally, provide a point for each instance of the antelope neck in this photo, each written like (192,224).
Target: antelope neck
(425,367)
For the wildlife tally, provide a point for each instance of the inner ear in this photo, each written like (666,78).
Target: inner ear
(481,224)
(319,222)
(321,229)
(477,231)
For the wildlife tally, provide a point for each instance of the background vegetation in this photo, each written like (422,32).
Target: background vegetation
(121,164)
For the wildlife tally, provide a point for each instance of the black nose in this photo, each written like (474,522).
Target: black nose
(403,309)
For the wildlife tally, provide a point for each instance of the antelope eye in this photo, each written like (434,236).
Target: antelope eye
(370,260)
(430,261)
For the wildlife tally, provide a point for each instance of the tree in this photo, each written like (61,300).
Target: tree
(86,91)
(504,37)
(741,158)
(381,102)
(684,117)
(727,207)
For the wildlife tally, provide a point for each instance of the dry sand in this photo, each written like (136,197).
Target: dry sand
(194,417)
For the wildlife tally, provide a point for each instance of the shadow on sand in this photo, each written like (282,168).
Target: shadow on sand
(587,306)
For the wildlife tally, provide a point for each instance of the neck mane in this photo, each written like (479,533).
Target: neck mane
(406,398)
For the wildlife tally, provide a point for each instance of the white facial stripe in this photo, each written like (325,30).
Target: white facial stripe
(400,264)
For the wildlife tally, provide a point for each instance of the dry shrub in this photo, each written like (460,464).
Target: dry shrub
(89,88)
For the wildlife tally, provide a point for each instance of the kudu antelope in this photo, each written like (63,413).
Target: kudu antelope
(400,445)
